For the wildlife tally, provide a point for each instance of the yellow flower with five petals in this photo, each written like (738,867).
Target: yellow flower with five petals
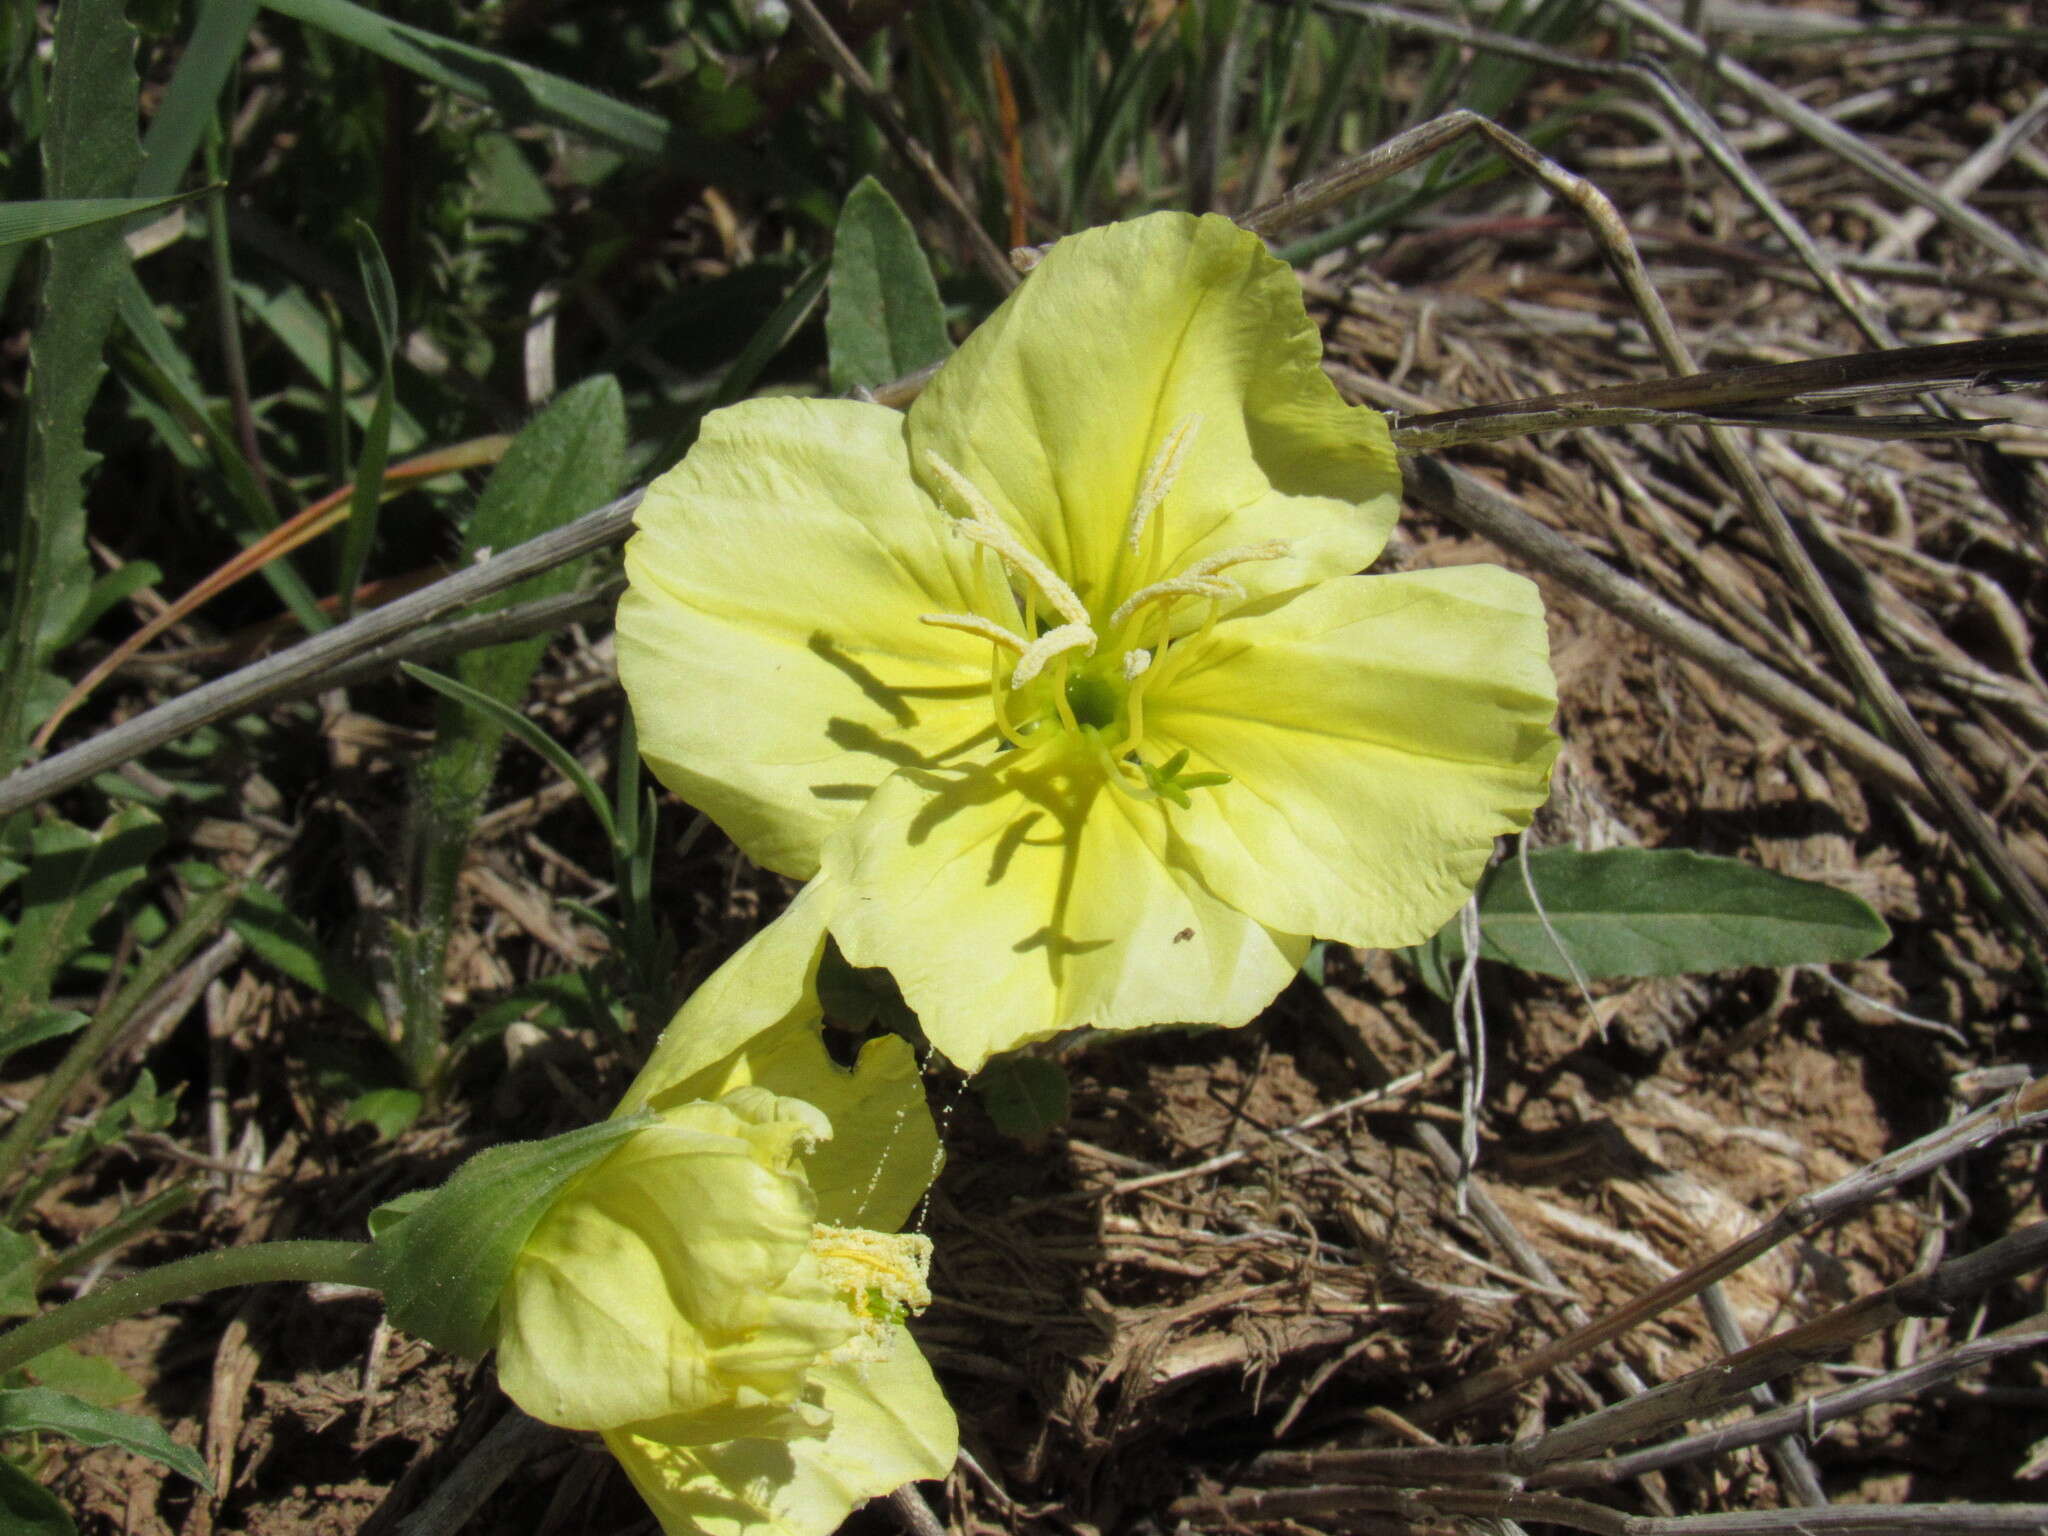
(1063,686)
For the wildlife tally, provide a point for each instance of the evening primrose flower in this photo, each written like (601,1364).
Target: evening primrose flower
(714,1281)
(1062,685)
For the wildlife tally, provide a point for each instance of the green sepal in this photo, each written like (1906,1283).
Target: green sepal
(444,1262)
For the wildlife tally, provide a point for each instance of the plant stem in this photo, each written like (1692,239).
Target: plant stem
(255,1264)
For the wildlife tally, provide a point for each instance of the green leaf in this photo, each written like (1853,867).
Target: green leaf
(93,1378)
(89,151)
(38,1408)
(27,1508)
(277,936)
(523,94)
(884,318)
(1026,1096)
(21,1260)
(74,879)
(570,458)
(442,1267)
(41,219)
(110,590)
(368,495)
(205,64)
(40,1025)
(511,720)
(1662,912)
(387,1111)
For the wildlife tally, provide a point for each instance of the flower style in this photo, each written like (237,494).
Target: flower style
(1063,683)
(722,1302)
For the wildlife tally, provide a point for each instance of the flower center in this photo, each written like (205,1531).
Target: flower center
(882,1278)
(1100,699)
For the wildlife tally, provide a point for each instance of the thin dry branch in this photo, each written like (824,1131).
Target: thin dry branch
(2023,1107)
(1802,1419)
(987,255)
(1702,1393)
(316,659)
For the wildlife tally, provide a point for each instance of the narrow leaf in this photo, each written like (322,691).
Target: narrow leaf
(884,318)
(204,66)
(511,720)
(41,219)
(277,936)
(27,1508)
(1662,912)
(74,879)
(89,151)
(521,93)
(34,1408)
(382,294)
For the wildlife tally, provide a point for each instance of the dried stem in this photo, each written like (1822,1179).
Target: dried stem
(878,105)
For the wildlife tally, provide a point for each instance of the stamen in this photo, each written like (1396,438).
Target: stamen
(1172,587)
(1159,478)
(1054,642)
(975,624)
(986,527)
(1237,554)
(1135,663)
(1201,579)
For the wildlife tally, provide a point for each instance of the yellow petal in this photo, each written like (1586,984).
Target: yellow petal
(769,639)
(755,1021)
(1380,731)
(767,988)
(890,1425)
(1019,898)
(661,1284)
(1059,403)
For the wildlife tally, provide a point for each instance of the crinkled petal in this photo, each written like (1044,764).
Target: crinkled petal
(1019,898)
(1380,732)
(769,638)
(659,1284)
(755,1021)
(890,1425)
(1058,404)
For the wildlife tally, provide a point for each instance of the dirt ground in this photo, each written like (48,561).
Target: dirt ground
(1213,1259)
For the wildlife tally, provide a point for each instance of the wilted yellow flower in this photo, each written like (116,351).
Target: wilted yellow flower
(1062,684)
(723,1294)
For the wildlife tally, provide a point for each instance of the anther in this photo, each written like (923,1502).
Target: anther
(975,624)
(1201,579)
(985,526)
(1135,663)
(1159,477)
(1054,642)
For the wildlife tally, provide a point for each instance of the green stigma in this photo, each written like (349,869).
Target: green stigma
(1094,699)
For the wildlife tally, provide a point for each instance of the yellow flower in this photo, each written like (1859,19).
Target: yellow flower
(721,1295)
(1063,683)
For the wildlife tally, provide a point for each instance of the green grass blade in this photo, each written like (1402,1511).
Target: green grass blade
(89,151)
(160,373)
(40,220)
(509,719)
(521,93)
(188,103)
(376,450)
